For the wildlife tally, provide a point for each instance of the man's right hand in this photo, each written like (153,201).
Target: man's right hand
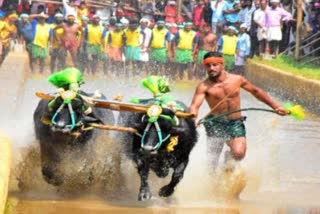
(282,111)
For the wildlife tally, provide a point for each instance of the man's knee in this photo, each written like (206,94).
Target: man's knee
(238,148)
(238,154)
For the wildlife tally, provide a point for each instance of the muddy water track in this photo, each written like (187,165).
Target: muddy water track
(280,170)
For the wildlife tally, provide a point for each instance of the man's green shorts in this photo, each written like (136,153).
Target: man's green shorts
(38,52)
(158,55)
(224,127)
(228,62)
(94,50)
(183,56)
(132,53)
(201,55)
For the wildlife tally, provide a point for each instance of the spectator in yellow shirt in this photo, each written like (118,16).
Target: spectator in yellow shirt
(94,35)
(58,57)
(105,47)
(133,47)
(8,31)
(41,36)
(82,11)
(227,45)
(82,53)
(116,41)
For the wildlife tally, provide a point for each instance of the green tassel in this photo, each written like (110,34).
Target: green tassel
(135,100)
(156,84)
(296,111)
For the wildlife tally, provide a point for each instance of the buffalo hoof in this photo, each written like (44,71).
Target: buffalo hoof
(166,191)
(50,178)
(144,194)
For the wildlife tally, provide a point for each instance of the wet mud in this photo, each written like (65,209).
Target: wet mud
(278,174)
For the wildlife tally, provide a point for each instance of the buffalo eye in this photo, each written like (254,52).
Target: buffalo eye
(176,130)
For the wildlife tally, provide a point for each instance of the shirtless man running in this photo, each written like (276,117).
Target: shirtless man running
(70,40)
(207,42)
(221,90)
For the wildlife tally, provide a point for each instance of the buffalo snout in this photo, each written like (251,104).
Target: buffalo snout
(148,150)
(63,129)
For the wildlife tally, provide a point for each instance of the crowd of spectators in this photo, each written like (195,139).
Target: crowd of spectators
(237,29)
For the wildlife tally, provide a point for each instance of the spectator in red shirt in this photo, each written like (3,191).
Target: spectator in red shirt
(171,12)
(119,12)
(129,12)
(197,14)
(24,7)
(92,12)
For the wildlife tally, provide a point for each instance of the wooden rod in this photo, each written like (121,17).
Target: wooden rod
(298,29)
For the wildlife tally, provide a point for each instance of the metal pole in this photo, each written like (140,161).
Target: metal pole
(298,29)
(179,4)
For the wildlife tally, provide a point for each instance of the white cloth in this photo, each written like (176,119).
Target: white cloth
(242,15)
(68,10)
(35,5)
(261,34)
(217,13)
(104,13)
(274,33)
(259,17)
(240,58)
(243,49)
(144,55)
(248,18)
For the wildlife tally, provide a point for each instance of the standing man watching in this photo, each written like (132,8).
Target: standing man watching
(42,33)
(217,16)
(70,8)
(273,18)
(144,55)
(25,32)
(185,44)
(207,42)
(133,47)
(116,42)
(231,11)
(94,35)
(221,90)
(227,45)
(70,40)
(160,48)
(8,34)
(259,20)
(58,57)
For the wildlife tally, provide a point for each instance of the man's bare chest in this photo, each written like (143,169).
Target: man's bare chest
(71,29)
(223,90)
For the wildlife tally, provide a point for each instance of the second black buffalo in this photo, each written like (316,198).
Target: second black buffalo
(165,142)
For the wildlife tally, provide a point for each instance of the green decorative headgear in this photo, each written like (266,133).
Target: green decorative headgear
(159,86)
(156,84)
(66,78)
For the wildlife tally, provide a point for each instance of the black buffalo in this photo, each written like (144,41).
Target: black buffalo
(59,140)
(144,150)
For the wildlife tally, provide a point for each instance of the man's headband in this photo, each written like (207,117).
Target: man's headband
(213,59)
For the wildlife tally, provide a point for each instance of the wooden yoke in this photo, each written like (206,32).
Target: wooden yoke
(114,105)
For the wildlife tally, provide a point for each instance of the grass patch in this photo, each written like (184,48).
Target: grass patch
(289,65)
